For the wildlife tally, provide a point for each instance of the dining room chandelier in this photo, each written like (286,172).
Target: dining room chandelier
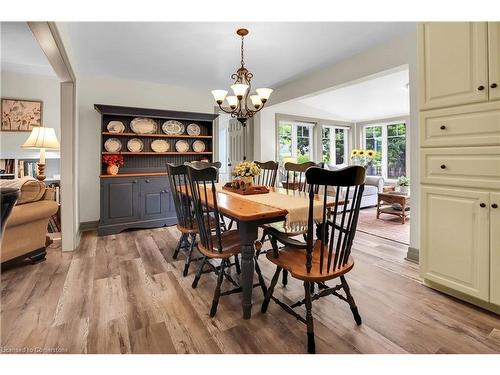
(238,105)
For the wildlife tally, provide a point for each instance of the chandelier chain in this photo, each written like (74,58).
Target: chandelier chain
(242,57)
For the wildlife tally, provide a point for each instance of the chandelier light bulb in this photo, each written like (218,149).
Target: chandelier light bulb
(219,95)
(264,94)
(256,101)
(232,101)
(239,90)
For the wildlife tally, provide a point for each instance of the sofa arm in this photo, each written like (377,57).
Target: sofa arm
(30,212)
(375,181)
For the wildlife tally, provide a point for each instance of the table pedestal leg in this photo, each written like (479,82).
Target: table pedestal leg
(248,235)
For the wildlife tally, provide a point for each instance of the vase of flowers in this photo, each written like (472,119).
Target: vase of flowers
(114,163)
(403,185)
(244,174)
(362,157)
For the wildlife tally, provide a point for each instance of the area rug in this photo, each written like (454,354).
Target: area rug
(388,226)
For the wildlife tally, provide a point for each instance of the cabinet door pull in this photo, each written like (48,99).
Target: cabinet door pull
(443,166)
(147,181)
(494,205)
(493,85)
(482,205)
(135,181)
(481,88)
(442,127)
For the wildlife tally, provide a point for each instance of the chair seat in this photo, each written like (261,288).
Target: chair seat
(294,261)
(231,245)
(194,226)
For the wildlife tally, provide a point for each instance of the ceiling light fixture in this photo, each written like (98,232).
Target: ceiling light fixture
(239,106)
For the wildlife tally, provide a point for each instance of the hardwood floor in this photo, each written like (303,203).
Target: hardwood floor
(124,294)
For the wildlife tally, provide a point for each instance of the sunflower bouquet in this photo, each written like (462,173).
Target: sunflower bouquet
(362,157)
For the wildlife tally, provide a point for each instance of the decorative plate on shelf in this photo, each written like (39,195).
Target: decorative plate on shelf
(113,145)
(173,127)
(193,129)
(135,145)
(115,127)
(198,146)
(140,125)
(182,146)
(160,145)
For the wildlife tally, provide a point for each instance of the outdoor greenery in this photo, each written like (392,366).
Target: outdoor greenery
(396,149)
(303,142)
(339,145)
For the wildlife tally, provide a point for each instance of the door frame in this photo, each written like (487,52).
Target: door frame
(50,41)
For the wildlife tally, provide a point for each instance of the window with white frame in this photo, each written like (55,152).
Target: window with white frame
(295,140)
(389,143)
(334,144)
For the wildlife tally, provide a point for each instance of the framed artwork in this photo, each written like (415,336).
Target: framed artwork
(19,115)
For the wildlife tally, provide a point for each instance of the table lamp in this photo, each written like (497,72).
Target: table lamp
(41,138)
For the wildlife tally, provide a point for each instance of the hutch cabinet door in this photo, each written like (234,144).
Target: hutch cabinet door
(453,63)
(494,59)
(456,239)
(120,200)
(155,198)
(495,248)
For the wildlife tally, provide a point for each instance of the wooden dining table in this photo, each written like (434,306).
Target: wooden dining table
(249,216)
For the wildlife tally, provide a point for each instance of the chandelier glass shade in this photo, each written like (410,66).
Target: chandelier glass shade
(242,105)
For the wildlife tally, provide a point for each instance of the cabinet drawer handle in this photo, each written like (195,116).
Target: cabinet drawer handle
(493,85)
(135,181)
(442,127)
(443,166)
(482,205)
(481,88)
(147,181)
(494,205)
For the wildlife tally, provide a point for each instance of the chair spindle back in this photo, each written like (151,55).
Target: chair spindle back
(179,185)
(204,164)
(268,172)
(203,194)
(295,175)
(338,225)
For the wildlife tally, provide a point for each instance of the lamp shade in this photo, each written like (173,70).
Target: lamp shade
(42,137)
(219,95)
(264,94)
(239,89)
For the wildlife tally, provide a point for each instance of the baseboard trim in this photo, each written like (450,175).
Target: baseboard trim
(88,225)
(413,255)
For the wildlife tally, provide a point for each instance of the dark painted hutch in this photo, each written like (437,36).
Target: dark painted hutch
(139,195)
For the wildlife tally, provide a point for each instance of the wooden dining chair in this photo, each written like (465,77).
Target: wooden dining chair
(268,173)
(329,255)
(203,164)
(214,244)
(295,180)
(295,175)
(186,223)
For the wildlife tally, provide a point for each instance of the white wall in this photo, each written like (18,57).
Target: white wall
(28,86)
(100,90)
(383,58)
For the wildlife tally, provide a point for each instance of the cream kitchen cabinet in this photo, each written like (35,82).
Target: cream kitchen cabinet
(467,125)
(494,59)
(456,239)
(453,63)
(495,248)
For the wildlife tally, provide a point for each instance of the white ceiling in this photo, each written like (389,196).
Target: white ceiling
(20,52)
(382,97)
(205,54)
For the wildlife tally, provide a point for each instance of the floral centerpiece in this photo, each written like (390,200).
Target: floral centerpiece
(403,184)
(244,173)
(362,157)
(114,163)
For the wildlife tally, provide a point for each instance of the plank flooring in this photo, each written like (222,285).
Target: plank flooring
(125,294)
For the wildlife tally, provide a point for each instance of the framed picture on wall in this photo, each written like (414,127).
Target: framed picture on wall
(20,115)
